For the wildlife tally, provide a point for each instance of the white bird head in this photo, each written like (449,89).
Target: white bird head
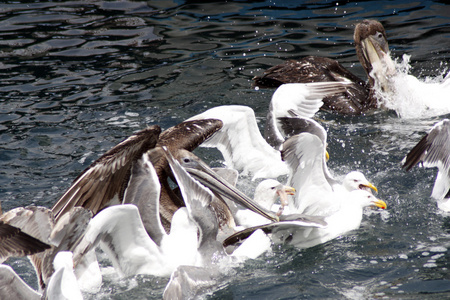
(357,181)
(269,190)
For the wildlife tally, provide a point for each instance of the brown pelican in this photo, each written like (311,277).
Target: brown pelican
(372,50)
(107,180)
(123,235)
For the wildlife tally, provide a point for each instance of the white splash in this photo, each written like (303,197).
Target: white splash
(412,97)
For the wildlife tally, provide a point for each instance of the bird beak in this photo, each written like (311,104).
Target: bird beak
(378,57)
(327,156)
(217,184)
(282,193)
(369,186)
(373,51)
(379,203)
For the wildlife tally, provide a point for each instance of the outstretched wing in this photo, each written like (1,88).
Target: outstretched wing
(433,150)
(107,178)
(304,153)
(241,142)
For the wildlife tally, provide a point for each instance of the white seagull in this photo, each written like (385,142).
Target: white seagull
(342,209)
(62,285)
(241,142)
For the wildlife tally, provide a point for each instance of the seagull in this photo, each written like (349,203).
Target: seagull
(305,231)
(240,141)
(60,235)
(186,281)
(296,99)
(13,287)
(340,207)
(433,150)
(372,50)
(266,194)
(62,284)
(198,199)
(304,153)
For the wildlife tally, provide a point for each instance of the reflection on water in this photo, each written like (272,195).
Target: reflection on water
(76,77)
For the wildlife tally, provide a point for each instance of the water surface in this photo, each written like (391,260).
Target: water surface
(77,77)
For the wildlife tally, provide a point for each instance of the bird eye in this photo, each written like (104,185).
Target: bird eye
(186,160)
(273,188)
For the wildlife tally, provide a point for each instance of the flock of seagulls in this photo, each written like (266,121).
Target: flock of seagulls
(156,208)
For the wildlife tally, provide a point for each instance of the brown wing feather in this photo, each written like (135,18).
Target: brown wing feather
(189,135)
(433,149)
(15,242)
(108,176)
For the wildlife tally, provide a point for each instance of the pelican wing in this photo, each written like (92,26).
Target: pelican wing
(14,242)
(189,134)
(107,178)
(36,221)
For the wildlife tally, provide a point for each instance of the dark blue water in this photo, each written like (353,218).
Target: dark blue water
(78,77)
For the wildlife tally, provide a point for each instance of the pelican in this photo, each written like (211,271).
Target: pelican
(135,249)
(433,150)
(372,50)
(107,180)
